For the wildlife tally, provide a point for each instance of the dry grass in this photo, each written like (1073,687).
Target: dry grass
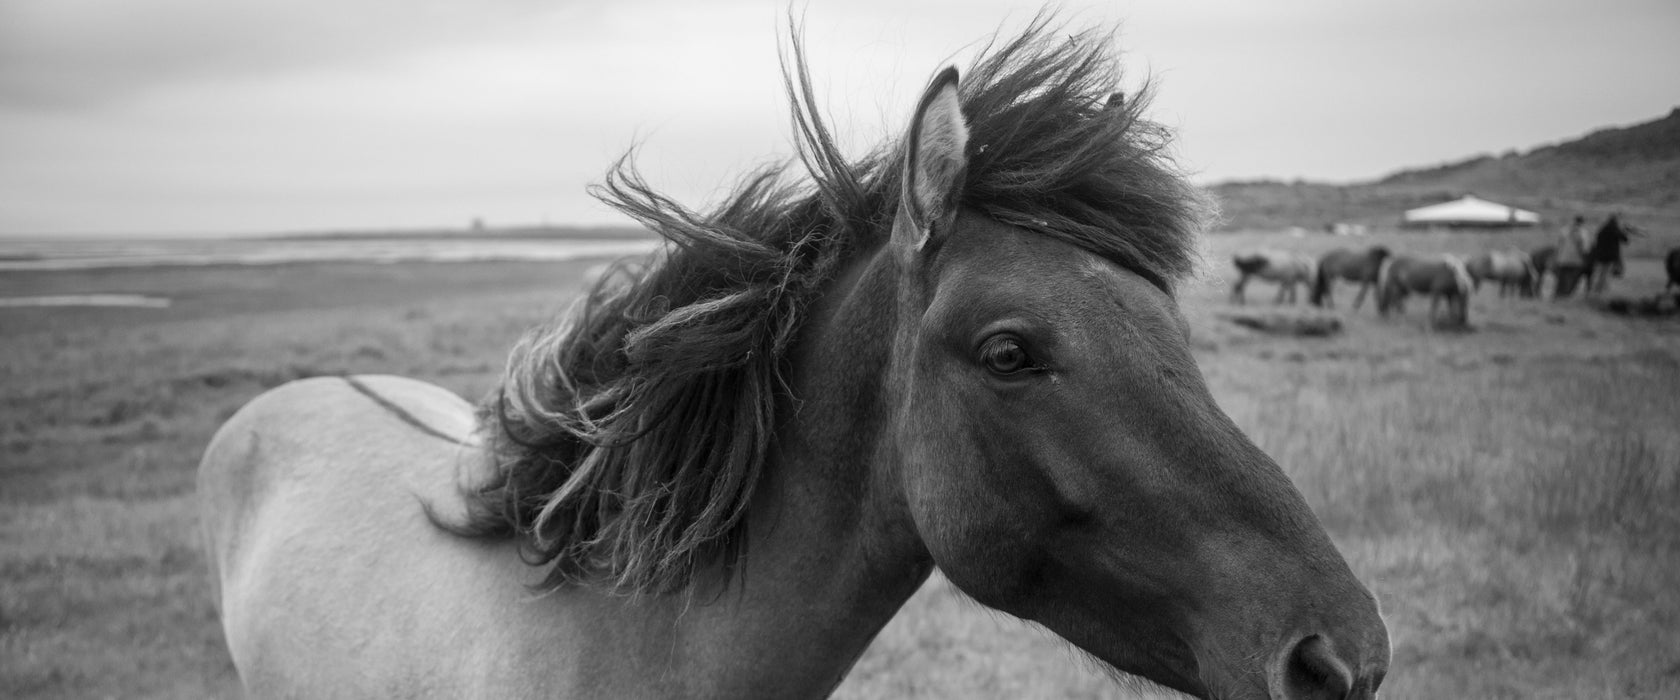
(103,414)
(1511,493)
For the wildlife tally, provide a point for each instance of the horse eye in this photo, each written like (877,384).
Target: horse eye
(1004,355)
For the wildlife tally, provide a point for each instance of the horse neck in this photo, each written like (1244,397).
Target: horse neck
(830,555)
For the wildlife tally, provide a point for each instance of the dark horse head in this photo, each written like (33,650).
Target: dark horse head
(1043,382)
(966,345)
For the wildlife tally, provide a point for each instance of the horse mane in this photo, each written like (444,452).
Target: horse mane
(1460,273)
(1385,279)
(628,438)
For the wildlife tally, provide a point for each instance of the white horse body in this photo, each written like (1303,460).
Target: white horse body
(1282,267)
(387,594)
(333,583)
(1512,269)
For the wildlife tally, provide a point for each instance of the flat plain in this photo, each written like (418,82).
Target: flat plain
(1510,492)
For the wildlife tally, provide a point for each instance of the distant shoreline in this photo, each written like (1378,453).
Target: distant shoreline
(533,232)
(594,233)
(535,246)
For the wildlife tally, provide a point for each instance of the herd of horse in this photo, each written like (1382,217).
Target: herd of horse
(1447,279)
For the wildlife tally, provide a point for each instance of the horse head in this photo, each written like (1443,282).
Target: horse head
(1060,458)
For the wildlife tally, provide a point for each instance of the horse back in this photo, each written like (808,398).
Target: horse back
(1275,265)
(330,578)
(301,436)
(1351,265)
(1251,263)
(1423,275)
(333,580)
(1482,265)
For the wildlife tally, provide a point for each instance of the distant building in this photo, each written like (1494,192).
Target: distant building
(1343,228)
(1469,212)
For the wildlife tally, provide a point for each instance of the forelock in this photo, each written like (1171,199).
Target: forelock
(1051,152)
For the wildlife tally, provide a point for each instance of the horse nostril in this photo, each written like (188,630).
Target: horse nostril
(1311,671)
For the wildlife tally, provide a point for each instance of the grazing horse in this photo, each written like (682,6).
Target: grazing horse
(1512,269)
(1350,265)
(1443,278)
(725,471)
(1284,268)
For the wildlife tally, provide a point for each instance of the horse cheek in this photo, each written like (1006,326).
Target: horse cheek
(973,509)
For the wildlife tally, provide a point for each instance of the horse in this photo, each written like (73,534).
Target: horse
(1512,269)
(1443,278)
(724,470)
(1284,268)
(1350,265)
(1604,257)
(1671,264)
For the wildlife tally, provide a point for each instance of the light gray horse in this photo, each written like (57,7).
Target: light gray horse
(1285,268)
(1512,269)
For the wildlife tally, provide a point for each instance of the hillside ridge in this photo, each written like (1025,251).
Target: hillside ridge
(1633,169)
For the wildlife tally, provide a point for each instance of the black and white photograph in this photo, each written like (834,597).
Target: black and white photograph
(996,349)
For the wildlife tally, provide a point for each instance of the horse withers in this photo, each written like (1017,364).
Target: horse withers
(1443,277)
(1285,268)
(721,475)
(1512,269)
(1344,264)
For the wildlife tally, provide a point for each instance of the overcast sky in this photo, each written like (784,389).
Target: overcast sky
(211,116)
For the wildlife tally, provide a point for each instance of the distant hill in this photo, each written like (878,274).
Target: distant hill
(1633,169)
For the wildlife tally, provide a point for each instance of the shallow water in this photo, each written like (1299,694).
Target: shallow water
(47,255)
(127,300)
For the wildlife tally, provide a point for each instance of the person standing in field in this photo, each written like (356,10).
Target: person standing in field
(1605,257)
(1571,257)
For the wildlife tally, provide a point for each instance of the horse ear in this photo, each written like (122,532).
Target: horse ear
(935,156)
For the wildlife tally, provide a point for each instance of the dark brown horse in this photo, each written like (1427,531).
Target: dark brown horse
(1671,264)
(1443,277)
(724,472)
(1350,265)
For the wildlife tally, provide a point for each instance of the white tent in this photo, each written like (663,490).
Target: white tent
(1470,211)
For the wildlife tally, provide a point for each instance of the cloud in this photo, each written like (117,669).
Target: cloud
(58,54)
(178,114)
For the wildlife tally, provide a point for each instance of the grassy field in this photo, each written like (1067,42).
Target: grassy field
(1511,493)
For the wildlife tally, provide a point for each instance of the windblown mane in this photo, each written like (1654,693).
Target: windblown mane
(629,437)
